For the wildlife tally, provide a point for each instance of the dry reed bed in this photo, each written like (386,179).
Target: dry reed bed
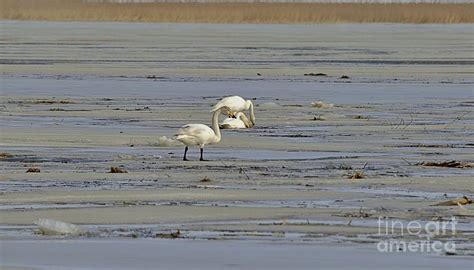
(78,10)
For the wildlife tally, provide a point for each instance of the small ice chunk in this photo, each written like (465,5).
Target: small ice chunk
(322,105)
(55,227)
(269,105)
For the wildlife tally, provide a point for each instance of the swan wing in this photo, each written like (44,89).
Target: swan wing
(193,130)
(235,104)
(195,134)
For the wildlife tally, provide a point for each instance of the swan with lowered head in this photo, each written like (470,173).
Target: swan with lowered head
(235,104)
(199,134)
(240,121)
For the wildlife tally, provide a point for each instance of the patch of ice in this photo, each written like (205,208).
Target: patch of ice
(269,105)
(163,141)
(54,227)
(322,105)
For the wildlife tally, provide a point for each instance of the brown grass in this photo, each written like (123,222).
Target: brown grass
(357,175)
(117,170)
(5,155)
(33,170)
(78,10)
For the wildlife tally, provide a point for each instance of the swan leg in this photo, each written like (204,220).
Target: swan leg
(201,159)
(185,151)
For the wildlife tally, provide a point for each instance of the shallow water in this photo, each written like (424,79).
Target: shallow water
(208,255)
(112,47)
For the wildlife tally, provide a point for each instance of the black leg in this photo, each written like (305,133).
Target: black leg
(185,151)
(201,159)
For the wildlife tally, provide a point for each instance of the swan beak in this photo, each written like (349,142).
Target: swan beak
(248,124)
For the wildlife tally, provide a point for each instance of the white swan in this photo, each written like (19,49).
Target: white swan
(199,134)
(236,104)
(240,121)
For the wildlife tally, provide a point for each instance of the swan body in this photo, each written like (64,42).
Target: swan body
(240,121)
(199,134)
(196,135)
(236,104)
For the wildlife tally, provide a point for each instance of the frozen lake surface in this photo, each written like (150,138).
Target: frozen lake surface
(80,98)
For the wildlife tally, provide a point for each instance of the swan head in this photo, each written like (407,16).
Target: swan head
(226,110)
(242,117)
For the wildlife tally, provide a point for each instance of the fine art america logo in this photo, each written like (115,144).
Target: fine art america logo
(424,232)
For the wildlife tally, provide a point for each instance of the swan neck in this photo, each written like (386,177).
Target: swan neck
(215,125)
(252,114)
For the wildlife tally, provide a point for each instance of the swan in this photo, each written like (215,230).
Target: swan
(240,121)
(236,104)
(199,134)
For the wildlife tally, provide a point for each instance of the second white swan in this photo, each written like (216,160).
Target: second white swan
(235,104)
